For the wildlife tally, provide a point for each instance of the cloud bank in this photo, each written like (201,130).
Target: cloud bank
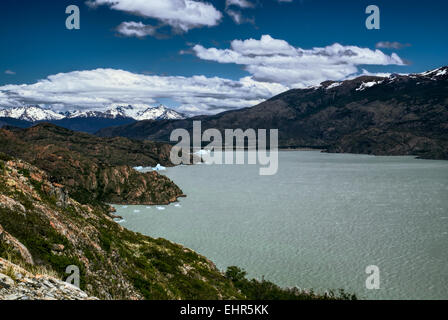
(99,88)
(275,60)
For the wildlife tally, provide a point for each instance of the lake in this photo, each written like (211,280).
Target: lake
(318,223)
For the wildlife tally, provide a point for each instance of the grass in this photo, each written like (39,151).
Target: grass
(10,272)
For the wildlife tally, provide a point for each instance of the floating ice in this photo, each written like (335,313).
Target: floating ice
(136,211)
(177,205)
(148,207)
(120,221)
(124,207)
(160,208)
(158,167)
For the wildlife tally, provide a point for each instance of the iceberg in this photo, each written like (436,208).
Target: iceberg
(158,167)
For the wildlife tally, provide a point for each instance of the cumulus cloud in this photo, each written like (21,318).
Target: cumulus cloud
(100,88)
(391,45)
(275,60)
(182,15)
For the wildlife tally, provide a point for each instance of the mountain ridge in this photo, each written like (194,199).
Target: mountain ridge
(35,113)
(85,121)
(394,115)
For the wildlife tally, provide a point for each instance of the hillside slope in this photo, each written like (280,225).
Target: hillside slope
(91,168)
(397,115)
(41,226)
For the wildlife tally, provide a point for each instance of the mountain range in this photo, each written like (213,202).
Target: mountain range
(85,120)
(394,115)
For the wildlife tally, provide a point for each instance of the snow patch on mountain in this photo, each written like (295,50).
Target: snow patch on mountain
(141,112)
(30,113)
(138,112)
(369,84)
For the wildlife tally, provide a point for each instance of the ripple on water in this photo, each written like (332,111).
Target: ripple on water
(318,223)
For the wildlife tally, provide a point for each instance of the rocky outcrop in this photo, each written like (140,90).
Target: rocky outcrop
(16,245)
(16,283)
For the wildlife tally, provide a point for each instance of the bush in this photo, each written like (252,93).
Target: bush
(265,290)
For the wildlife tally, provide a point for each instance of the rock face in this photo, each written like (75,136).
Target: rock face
(397,115)
(16,283)
(94,169)
(43,228)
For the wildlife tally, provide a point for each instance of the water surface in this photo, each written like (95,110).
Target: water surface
(318,223)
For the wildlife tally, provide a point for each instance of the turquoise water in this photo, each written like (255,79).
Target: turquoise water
(318,223)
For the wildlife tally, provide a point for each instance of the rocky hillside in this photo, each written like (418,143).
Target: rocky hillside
(16,283)
(43,228)
(94,169)
(396,115)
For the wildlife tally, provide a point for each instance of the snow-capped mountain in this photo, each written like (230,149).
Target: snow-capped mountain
(158,113)
(137,113)
(144,112)
(30,113)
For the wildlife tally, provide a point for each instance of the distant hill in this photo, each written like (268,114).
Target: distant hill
(395,115)
(94,169)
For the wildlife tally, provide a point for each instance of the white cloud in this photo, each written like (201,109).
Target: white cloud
(136,29)
(182,15)
(238,17)
(10,72)
(100,88)
(391,45)
(239,3)
(274,60)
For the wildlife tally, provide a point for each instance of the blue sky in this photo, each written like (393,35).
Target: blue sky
(35,45)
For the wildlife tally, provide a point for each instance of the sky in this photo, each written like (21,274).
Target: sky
(204,57)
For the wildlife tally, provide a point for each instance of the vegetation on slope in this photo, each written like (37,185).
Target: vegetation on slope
(92,169)
(265,290)
(40,225)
